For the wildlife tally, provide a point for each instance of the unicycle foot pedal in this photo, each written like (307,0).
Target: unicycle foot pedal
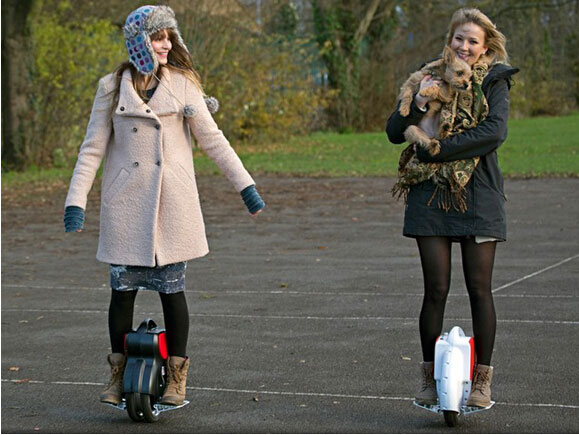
(122,406)
(466,410)
(162,408)
(159,407)
(431,408)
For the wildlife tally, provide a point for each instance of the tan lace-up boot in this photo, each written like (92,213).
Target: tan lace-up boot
(480,394)
(427,394)
(113,393)
(177,379)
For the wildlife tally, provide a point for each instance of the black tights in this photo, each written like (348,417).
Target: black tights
(477,264)
(175,312)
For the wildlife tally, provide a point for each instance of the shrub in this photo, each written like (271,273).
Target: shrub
(265,83)
(69,59)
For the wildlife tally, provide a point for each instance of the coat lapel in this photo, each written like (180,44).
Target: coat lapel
(162,102)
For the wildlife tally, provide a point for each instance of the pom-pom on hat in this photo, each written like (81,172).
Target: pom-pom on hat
(139,26)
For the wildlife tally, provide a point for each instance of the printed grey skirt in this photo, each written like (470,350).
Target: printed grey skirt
(163,279)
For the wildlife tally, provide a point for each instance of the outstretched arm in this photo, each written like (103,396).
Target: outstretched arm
(213,142)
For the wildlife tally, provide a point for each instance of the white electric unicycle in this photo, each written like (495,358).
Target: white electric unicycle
(454,359)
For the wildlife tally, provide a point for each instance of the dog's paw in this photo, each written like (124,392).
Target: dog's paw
(431,91)
(404,110)
(416,135)
(433,147)
(410,134)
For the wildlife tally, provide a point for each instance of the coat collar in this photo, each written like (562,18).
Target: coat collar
(161,103)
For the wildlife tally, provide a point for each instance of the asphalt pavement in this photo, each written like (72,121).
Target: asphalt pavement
(304,320)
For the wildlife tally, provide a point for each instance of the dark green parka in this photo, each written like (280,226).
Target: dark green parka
(485,215)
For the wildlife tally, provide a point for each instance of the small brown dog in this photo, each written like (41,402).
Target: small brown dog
(455,75)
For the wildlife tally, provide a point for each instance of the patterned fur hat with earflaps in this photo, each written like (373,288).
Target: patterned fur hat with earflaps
(139,26)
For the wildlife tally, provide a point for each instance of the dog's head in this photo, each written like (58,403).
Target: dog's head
(456,72)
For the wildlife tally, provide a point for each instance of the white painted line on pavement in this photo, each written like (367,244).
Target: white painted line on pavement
(298,293)
(30,381)
(290,393)
(353,396)
(566,260)
(281,317)
(539,405)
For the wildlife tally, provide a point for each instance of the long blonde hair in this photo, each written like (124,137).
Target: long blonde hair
(494,39)
(179,59)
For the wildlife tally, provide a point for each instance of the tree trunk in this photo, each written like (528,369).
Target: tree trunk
(340,34)
(16,59)
(366,21)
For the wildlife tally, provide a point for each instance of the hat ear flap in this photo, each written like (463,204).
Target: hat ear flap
(138,41)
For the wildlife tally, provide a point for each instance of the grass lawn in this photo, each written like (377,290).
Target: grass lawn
(542,146)
(536,147)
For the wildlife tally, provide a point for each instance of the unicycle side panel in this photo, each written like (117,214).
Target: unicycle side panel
(454,357)
(132,378)
(146,355)
(450,385)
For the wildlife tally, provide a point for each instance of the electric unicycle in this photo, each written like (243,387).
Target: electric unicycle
(453,368)
(145,376)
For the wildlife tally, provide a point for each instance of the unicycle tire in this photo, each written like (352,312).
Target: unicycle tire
(134,407)
(451,418)
(150,413)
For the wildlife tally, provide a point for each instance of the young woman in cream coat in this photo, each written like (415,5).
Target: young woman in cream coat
(150,219)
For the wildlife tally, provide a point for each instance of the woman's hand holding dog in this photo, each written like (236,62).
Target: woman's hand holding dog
(426,82)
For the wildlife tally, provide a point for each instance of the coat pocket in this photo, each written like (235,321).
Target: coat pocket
(187,174)
(116,186)
(483,184)
(185,177)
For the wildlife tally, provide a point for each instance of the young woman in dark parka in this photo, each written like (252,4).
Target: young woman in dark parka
(457,195)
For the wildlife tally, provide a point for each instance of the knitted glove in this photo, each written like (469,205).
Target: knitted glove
(73,219)
(252,200)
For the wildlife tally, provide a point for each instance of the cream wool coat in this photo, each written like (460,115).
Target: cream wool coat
(150,211)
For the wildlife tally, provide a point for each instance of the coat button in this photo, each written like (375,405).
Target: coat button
(157,126)
(136,164)
(148,110)
(122,108)
(135,129)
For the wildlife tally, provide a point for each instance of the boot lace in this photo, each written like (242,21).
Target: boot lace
(176,377)
(480,380)
(117,374)
(428,380)
(116,377)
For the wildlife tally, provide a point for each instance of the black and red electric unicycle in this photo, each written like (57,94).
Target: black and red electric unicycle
(145,376)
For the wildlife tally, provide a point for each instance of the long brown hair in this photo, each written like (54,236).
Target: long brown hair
(494,39)
(179,59)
